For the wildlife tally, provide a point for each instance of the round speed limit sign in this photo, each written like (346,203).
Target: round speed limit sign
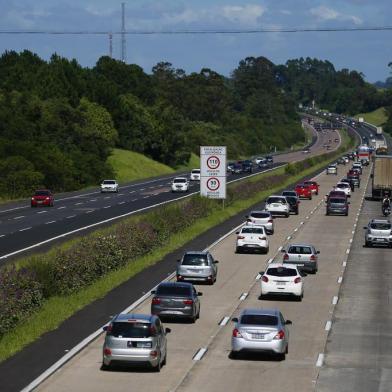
(213,162)
(213,184)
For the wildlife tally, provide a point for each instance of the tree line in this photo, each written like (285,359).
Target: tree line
(59,120)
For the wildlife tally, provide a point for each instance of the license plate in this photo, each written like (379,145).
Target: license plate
(300,265)
(171,312)
(258,336)
(194,271)
(39,201)
(380,240)
(276,205)
(281,283)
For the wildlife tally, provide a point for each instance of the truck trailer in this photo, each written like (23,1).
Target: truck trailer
(381,176)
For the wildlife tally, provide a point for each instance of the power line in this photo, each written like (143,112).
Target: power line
(168,32)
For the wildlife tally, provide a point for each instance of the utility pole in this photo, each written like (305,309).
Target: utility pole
(123,42)
(111,45)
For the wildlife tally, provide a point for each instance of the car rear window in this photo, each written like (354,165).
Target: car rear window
(289,193)
(179,180)
(260,215)
(292,199)
(342,185)
(250,230)
(281,271)
(130,330)
(300,250)
(109,182)
(380,226)
(196,171)
(259,319)
(337,200)
(173,290)
(190,259)
(276,200)
(42,193)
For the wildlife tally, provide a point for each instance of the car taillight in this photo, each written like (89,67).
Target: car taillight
(156,301)
(264,279)
(240,237)
(297,280)
(313,258)
(279,335)
(262,238)
(286,256)
(47,198)
(188,302)
(107,351)
(236,333)
(154,353)
(270,221)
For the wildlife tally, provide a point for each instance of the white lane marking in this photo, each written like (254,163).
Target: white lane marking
(353,232)
(61,208)
(307,217)
(270,260)
(106,207)
(301,223)
(93,199)
(142,189)
(288,237)
(42,212)
(26,228)
(351,240)
(320,360)
(347,251)
(328,325)
(78,204)
(335,300)
(3,235)
(69,217)
(296,229)
(89,212)
(107,197)
(19,217)
(151,187)
(258,276)
(122,202)
(133,199)
(200,354)
(224,321)
(146,197)
(131,192)
(340,279)
(49,223)
(344,264)
(243,296)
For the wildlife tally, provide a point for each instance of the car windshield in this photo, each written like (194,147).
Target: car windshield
(130,330)
(342,185)
(196,171)
(292,199)
(289,193)
(309,183)
(300,250)
(109,182)
(260,215)
(259,319)
(174,290)
(337,200)
(251,230)
(179,180)
(281,271)
(195,259)
(380,226)
(42,193)
(276,200)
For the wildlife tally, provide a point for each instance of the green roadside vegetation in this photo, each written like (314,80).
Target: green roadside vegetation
(56,309)
(378,117)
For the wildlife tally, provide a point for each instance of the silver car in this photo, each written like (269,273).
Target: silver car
(378,232)
(261,218)
(304,256)
(176,300)
(197,266)
(135,339)
(262,331)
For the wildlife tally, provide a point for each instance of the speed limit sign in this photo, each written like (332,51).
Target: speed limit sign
(213,171)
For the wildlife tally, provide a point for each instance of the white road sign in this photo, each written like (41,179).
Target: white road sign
(213,172)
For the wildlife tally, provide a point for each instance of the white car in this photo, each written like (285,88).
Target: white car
(109,186)
(282,279)
(258,160)
(180,184)
(261,218)
(343,186)
(278,205)
(195,175)
(252,238)
(332,169)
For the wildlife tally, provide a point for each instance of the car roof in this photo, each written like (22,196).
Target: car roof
(282,265)
(260,211)
(180,178)
(380,221)
(134,316)
(108,179)
(309,245)
(196,252)
(261,311)
(176,284)
(283,197)
(253,226)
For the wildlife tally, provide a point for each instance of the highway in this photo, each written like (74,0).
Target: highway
(358,353)
(24,229)
(237,288)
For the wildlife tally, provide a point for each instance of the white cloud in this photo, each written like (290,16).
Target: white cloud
(325,13)
(245,15)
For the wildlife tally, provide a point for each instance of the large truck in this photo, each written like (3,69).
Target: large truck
(381,176)
(363,152)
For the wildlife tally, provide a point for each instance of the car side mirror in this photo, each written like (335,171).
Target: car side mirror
(318,252)
(216,261)
(105,328)
(199,294)
(246,216)
(283,251)
(235,319)
(178,260)
(288,322)
(237,232)
(371,176)
(261,272)
(167,330)
(348,202)
(153,291)
(365,227)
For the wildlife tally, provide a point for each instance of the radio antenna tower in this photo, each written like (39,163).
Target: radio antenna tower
(123,42)
(111,45)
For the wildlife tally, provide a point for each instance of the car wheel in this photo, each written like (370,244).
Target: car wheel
(193,319)
(296,212)
(233,355)
(317,193)
(159,365)
(105,367)
(327,213)
(346,214)
(299,298)
(165,359)
(266,250)
(287,215)
(287,349)
(282,356)
(237,250)
(310,197)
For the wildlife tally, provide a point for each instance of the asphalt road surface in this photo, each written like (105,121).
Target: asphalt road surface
(23,227)
(237,287)
(358,355)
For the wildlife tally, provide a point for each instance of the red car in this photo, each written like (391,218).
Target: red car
(314,187)
(42,197)
(303,191)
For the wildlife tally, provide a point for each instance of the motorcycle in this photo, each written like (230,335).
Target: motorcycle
(386,210)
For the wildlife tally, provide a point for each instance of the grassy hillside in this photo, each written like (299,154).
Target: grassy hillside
(129,165)
(194,163)
(377,117)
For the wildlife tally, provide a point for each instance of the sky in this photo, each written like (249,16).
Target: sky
(366,52)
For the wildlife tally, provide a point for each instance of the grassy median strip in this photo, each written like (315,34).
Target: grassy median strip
(56,309)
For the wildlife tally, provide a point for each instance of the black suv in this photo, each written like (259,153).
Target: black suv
(247,167)
(293,200)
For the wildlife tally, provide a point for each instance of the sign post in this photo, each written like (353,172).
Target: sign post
(213,172)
